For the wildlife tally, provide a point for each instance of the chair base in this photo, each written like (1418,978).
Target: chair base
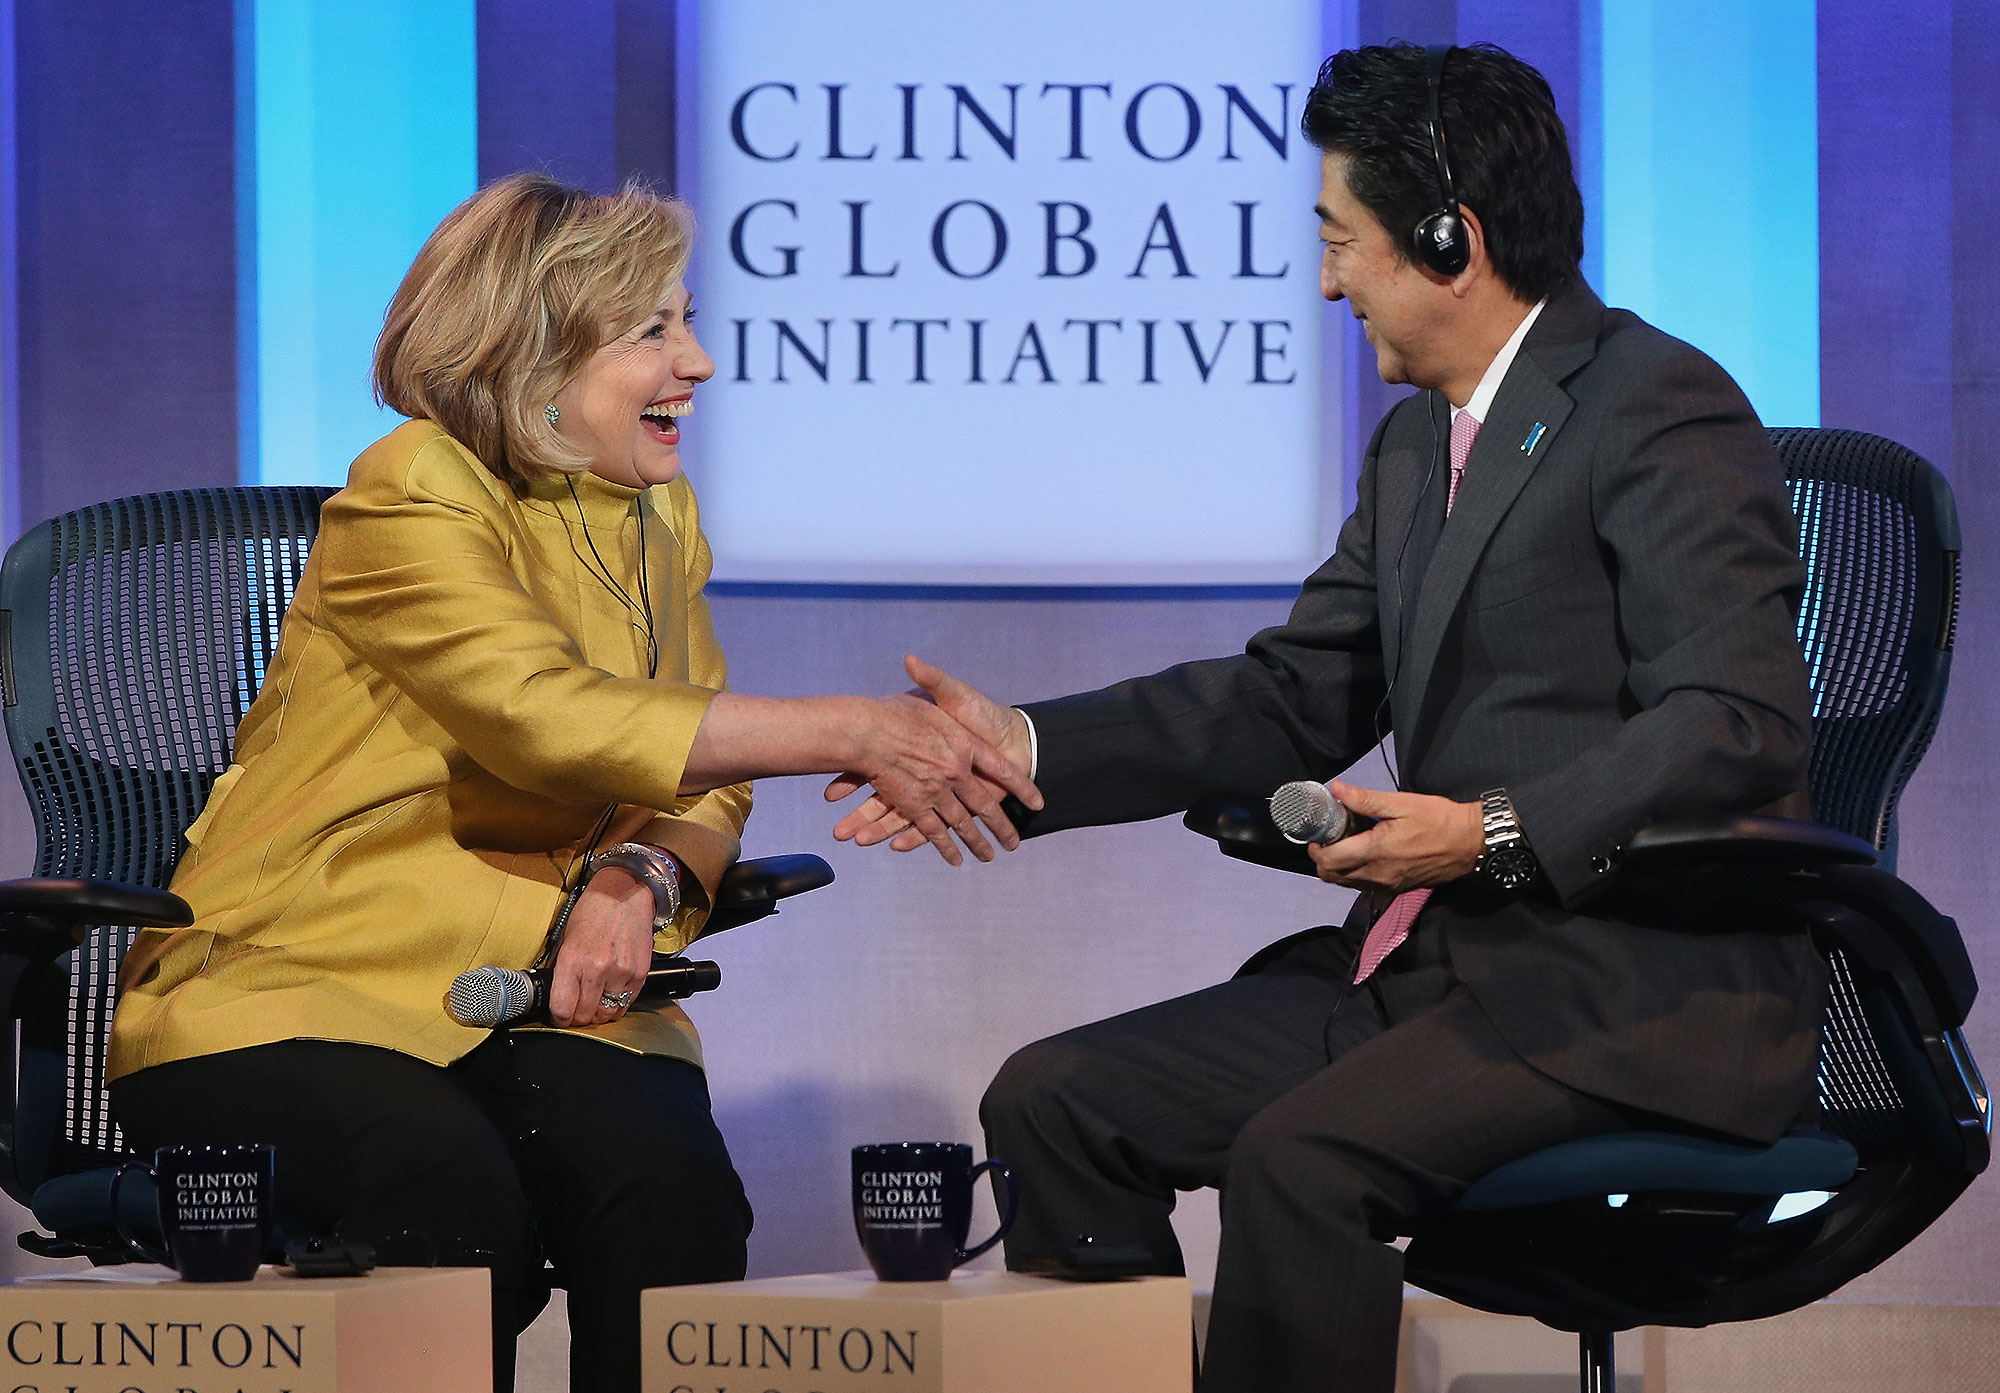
(1597,1370)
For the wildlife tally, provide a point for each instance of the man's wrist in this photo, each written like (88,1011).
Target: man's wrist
(1472,839)
(1508,861)
(1022,736)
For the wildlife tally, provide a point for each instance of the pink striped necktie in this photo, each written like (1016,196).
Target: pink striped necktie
(1464,430)
(1388,932)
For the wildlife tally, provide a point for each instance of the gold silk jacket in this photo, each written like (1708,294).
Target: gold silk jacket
(456,697)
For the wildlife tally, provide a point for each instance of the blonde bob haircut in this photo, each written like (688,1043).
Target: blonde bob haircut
(508,300)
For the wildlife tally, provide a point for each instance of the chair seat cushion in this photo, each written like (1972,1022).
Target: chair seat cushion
(1623,1163)
(81,1203)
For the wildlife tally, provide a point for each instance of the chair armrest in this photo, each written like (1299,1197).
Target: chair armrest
(1733,867)
(1889,925)
(750,890)
(84,902)
(1778,843)
(1242,828)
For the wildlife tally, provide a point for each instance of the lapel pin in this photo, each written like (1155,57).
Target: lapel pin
(1534,438)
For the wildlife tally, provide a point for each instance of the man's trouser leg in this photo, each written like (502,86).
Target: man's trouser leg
(1323,1121)
(1308,1294)
(1105,1122)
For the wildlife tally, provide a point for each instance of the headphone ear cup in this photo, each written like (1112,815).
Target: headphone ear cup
(1441,243)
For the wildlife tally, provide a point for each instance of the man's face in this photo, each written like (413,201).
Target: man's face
(1399,304)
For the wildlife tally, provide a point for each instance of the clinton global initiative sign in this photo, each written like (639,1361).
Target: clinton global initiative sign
(1023,295)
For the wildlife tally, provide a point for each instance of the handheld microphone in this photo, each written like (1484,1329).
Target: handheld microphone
(493,996)
(1307,812)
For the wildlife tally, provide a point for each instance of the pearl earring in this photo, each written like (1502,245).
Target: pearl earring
(553,414)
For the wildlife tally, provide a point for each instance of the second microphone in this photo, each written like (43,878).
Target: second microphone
(1308,813)
(492,996)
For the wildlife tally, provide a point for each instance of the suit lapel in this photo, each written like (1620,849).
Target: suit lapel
(1401,479)
(1523,426)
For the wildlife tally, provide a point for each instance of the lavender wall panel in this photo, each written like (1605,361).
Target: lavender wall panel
(1885,217)
(1909,299)
(127,281)
(584,90)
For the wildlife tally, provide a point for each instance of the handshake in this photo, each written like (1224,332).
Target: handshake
(937,760)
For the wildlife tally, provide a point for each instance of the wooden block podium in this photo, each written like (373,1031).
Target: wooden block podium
(396,1330)
(980,1332)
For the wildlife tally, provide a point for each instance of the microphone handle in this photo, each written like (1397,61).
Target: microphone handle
(1355,823)
(668,981)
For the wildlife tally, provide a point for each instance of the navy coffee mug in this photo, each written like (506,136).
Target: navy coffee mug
(216,1210)
(913,1207)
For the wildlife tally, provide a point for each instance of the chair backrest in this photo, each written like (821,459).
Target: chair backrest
(1879,535)
(133,637)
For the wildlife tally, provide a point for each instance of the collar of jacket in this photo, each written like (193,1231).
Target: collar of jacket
(604,503)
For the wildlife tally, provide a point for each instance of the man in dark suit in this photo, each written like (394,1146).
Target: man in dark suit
(1569,586)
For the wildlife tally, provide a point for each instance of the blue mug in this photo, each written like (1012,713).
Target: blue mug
(216,1210)
(913,1207)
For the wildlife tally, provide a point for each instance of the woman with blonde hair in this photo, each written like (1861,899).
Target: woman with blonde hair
(499,672)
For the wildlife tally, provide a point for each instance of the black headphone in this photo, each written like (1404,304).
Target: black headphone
(1440,239)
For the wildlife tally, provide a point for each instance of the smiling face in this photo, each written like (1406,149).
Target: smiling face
(623,410)
(1401,305)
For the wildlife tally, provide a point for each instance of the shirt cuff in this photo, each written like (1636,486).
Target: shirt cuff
(1034,745)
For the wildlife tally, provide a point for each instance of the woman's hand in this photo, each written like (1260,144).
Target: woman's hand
(1001,728)
(936,768)
(607,948)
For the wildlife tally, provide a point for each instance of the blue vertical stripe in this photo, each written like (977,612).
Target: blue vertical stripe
(365,135)
(1710,208)
(1586,141)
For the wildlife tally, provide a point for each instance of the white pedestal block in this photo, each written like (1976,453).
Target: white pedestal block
(982,1332)
(396,1330)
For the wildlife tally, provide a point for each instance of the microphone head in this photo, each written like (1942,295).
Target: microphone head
(490,996)
(1306,811)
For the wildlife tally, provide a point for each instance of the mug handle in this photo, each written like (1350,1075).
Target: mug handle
(1000,1169)
(130,1239)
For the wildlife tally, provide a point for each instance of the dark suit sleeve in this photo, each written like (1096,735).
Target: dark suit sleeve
(1299,702)
(1689,504)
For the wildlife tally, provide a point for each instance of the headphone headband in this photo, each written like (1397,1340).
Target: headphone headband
(1439,55)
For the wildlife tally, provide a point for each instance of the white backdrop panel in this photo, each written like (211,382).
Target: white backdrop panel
(1021,294)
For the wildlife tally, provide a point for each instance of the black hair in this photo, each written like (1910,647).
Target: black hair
(1509,153)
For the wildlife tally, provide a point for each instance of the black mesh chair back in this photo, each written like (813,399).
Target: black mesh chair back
(133,636)
(1878,530)
(1879,534)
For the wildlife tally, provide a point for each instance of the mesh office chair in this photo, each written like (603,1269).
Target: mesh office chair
(133,637)
(1640,1228)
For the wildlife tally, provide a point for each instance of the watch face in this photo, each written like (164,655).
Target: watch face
(1511,867)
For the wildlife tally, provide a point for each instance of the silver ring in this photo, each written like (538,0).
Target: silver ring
(615,1001)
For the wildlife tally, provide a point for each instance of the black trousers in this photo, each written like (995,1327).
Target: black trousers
(1327,1115)
(534,1147)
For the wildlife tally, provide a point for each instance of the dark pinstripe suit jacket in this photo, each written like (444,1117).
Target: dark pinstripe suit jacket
(1605,627)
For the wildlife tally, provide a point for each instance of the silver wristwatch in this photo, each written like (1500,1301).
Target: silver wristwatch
(1507,860)
(658,871)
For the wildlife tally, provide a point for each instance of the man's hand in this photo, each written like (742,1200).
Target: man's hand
(607,947)
(998,729)
(1417,840)
(936,770)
